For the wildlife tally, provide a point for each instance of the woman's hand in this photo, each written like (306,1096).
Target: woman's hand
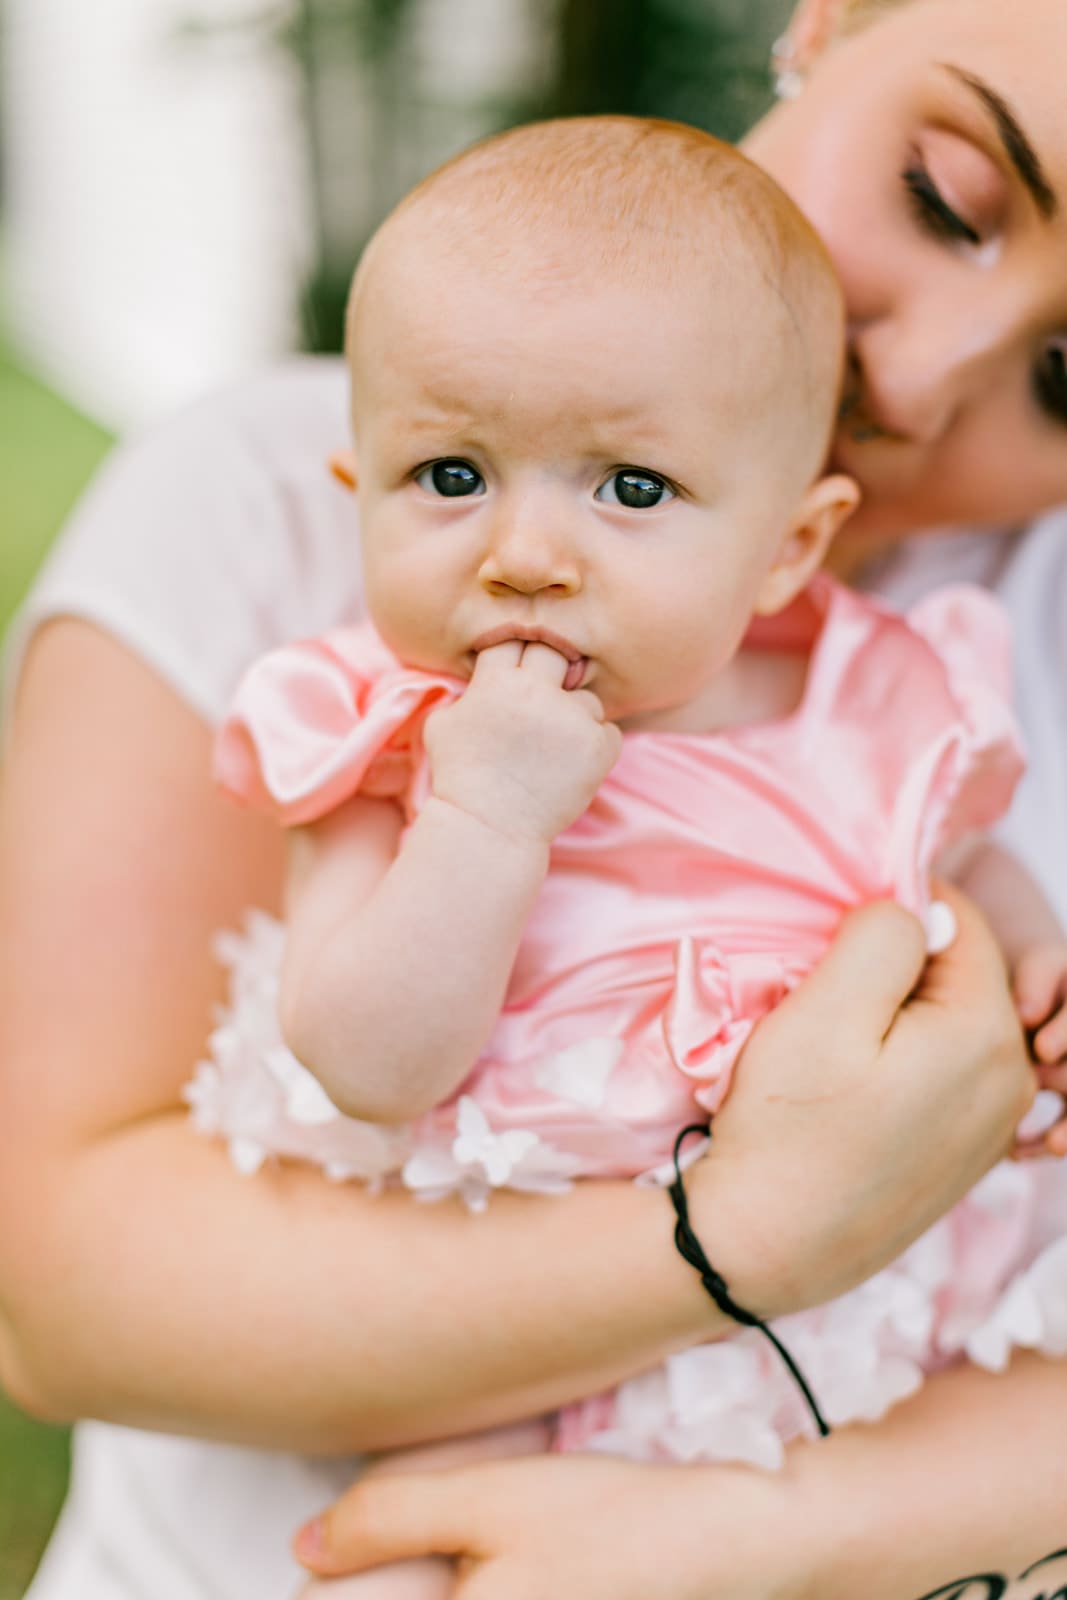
(907,1507)
(577,1528)
(858,1116)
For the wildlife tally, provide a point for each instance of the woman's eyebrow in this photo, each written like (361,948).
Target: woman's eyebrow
(1018,148)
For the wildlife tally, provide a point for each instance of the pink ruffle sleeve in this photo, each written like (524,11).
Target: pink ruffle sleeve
(316,722)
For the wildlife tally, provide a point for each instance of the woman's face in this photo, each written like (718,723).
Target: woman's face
(930,150)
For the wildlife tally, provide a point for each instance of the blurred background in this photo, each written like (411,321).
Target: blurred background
(185,187)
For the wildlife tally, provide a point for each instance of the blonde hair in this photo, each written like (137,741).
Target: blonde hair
(642,196)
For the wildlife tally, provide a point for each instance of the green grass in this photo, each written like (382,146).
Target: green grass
(47,452)
(33,1472)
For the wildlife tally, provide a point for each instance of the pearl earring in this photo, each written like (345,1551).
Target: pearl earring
(788,76)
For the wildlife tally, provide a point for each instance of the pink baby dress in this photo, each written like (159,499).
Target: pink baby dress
(706,878)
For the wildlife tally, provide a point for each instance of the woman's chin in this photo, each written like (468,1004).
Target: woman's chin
(872,533)
(888,512)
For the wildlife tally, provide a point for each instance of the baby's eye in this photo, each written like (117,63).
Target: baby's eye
(452,478)
(637,490)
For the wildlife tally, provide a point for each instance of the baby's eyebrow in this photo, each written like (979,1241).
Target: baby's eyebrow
(1017,146)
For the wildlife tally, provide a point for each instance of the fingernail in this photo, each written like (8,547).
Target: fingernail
(310,1541)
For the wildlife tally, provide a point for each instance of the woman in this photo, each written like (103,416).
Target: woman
(922,144)
(157,1290)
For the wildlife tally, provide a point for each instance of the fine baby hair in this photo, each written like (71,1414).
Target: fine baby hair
(585,202)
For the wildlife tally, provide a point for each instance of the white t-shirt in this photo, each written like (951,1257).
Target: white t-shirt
(201,545)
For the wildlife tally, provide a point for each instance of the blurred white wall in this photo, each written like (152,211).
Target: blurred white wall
(156,217)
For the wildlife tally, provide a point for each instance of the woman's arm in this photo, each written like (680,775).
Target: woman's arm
(143,1281)
(960,1495)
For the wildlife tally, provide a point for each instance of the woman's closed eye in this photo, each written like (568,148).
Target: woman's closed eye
(635,489)
(942,221)
(931,208)
(451,478)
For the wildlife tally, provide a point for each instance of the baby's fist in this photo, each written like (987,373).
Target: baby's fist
(517,750)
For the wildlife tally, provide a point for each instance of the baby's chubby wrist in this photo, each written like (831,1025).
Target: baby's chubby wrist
(483,836)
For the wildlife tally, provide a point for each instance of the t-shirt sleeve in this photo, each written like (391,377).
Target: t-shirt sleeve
(213,537)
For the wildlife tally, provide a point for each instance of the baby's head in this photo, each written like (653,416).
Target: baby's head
(595,368)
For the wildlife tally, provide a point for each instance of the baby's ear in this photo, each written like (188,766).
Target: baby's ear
(822,510)
(342,463)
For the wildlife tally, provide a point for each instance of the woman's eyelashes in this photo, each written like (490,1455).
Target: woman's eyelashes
(933,211)
(943,222)
(451,479)
(635,489)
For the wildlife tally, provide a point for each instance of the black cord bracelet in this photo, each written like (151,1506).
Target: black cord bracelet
(690,1248)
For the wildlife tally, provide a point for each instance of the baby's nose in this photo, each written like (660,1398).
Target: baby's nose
(530,552)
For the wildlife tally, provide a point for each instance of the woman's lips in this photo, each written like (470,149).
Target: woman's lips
(857,423)
(863,414)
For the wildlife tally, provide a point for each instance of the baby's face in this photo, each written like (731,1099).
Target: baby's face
(604,467)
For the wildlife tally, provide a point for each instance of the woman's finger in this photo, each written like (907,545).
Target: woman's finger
(390,1519)
(875,961)
(972,963)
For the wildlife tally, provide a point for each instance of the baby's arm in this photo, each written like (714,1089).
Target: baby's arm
(397,962)
(1030,936)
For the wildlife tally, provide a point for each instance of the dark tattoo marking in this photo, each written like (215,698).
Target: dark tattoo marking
(994,1585)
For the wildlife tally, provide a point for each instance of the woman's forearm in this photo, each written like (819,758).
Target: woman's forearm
(290,1313)
(968,1481)
(960,1495)
(141,1278)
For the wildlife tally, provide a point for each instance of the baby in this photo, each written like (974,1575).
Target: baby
(597,787)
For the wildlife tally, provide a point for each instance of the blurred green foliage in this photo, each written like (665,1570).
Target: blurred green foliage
(698,61)
(47,452)
(33,1467)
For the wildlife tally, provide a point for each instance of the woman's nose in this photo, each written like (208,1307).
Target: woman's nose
(914,376)
(530,551)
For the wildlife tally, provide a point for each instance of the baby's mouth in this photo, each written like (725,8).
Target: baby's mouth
(574,676)
(577,664)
